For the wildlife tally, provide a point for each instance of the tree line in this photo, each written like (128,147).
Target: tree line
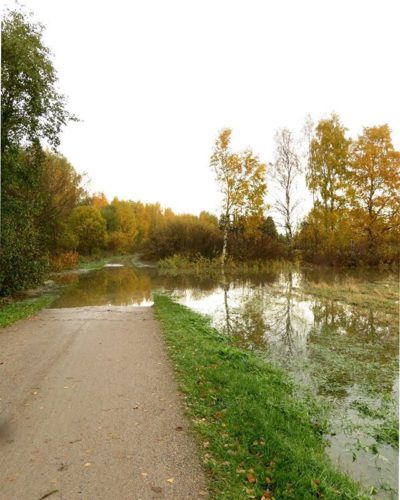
(48,217)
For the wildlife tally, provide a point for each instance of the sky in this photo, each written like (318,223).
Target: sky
(154,81)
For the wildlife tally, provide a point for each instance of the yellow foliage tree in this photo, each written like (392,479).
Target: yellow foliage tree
(374,184)
(241,180)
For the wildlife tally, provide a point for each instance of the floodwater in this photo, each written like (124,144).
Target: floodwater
(346,355)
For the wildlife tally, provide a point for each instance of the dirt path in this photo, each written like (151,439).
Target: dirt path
(89,410)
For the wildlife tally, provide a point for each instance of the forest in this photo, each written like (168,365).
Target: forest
(49,218)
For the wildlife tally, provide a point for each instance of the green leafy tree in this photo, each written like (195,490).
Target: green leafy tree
(241,180)
(32,112)
(32,109)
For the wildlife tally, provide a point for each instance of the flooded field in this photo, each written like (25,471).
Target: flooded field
(335,332)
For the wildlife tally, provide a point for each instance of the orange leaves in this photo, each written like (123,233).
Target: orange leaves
(251,478)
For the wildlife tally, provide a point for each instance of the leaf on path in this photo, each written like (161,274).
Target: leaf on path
(48,494)
(75,441)
(179,428)
(170,480)
(87,464)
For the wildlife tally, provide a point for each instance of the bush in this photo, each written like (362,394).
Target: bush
(66,260)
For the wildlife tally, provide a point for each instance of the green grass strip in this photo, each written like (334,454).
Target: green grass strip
(10,312)
(257,439)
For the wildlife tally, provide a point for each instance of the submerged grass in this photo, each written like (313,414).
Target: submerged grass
(198,264)
(258,438)
(379,295)
(10,312)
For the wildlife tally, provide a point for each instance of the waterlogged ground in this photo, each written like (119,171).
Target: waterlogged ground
(335,332)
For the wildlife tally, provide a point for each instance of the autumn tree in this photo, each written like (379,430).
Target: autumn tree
(285,171)
(63,190)
(374,184)
(89,226)
(241,180)
(98,201)
(307,136)
(329,157)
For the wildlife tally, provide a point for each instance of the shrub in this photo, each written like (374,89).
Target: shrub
(66,260)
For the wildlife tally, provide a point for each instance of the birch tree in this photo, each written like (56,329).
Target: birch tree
(241,181)
(286,169)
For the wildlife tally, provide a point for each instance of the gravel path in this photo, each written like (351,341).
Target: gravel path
(89,410)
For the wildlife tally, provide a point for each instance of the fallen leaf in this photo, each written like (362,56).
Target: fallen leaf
(251,478)
(88,464)
(170,480)
(144,474)
(75,441)
(48,494)
(179,428)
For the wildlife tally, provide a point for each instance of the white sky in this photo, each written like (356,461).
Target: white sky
(154,81)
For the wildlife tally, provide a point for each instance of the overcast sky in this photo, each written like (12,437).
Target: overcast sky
(154,81)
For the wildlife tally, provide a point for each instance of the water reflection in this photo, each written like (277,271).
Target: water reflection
(346,355)
(108,286)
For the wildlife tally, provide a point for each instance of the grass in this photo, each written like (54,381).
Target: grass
(10,312)
(198,264)
(257,438)
(91,264)
(96,262)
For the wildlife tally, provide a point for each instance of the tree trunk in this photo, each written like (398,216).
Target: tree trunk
(225,246)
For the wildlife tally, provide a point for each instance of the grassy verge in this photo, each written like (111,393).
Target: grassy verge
(10,312)
(257,438)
